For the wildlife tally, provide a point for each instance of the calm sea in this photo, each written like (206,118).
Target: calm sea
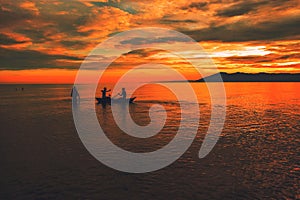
(256,157)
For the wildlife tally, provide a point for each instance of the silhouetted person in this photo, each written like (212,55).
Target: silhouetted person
(75,94)
(22,89)
(104,91)
(123,94)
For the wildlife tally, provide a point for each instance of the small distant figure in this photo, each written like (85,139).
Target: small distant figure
(75,95)
(104,91)
(123,94)
(22,89)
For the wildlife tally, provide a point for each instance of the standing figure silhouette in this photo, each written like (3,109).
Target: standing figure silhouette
(123,94)
(104,91)
(75,95)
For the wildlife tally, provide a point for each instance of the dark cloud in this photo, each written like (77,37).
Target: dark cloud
(246,31)
(196,5)
(140,41)
(5,40)
(172,21)
(291,56)
(245,7)
(251,59)
(240,8)
(29,59)
(36,35)
(144,53)
(274,66)
(120,5)
(75,14)
(270,58)
(63,17)
(74,44)
(13,15)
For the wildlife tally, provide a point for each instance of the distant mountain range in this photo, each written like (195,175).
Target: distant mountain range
(245,77)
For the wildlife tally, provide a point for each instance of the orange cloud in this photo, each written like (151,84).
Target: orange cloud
(30,6)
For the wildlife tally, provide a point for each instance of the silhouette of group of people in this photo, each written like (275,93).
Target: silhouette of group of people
(123,93)
(76,97)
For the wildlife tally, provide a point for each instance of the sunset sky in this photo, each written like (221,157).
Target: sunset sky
(46,41)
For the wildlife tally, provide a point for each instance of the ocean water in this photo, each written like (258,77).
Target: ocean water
(256,157)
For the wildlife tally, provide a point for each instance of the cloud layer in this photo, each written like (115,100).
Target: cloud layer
(39,34)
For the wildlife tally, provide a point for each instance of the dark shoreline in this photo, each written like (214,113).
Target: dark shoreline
(245,77)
